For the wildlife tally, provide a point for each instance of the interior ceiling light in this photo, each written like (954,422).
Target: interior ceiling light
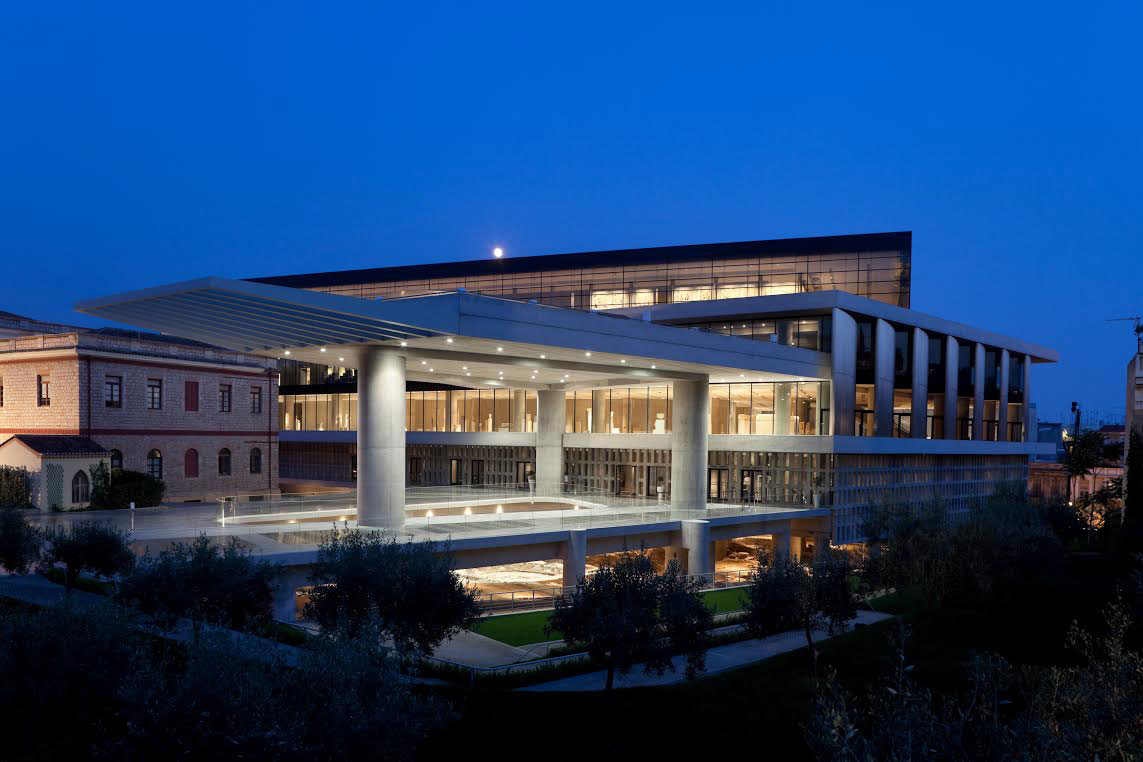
(287,352)
(341,359)
(323,349)
(499,349)
(587,354)
(623,361)
(424,362)
(404,343)
(449,339)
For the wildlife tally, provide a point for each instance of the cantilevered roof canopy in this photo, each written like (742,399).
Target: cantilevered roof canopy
(457,337)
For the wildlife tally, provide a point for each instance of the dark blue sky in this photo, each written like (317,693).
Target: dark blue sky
(149,142)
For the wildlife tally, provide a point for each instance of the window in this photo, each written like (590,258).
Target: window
(155,464)
(44,390)
(190,396)
(190,464)
(255,400)
(224,462)
(255,461)
(113,391)
(80,488)
(154,394)
(224,398)
(116,460)
(1,392)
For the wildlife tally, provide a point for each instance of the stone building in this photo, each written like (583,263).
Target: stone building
(202,419)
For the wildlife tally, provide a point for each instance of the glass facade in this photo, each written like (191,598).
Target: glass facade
(620,410)
(806,332)
(880,275)
(779,409)
(485,410)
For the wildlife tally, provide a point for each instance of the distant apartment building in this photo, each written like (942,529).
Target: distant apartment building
(202,419)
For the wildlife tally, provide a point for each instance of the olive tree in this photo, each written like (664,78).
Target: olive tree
(626,613)
(204,582)
(20,544)
(408,593)
(88,546)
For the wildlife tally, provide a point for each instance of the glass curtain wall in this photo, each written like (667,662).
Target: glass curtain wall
(936,387)
(620,410)
(486,410)
(767,408)
(883,276)
(808,333)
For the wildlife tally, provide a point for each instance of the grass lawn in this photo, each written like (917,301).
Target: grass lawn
(527,628)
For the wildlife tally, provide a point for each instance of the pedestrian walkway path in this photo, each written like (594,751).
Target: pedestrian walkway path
(718,659)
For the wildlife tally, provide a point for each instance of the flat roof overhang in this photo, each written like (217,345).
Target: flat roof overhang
(455,338)
(818,302)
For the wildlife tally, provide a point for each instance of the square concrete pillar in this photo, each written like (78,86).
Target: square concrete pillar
(920,360)
(781,540)
(1030,432)
(574,554)
(690,424)
(843,386)
(884,346)
(551,417)
(952,376)
(978,392)
(1002,432)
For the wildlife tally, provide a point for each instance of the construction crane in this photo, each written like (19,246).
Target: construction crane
(1136,318)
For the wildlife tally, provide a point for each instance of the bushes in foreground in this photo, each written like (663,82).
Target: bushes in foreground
(88,546)
(86,684)
(14,490)
(203,582)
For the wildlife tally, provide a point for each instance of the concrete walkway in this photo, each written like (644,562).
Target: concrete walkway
(718,659)
(476,650)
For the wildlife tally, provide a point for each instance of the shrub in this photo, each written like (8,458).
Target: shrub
(134,487)
(20,544)
(408,592)
(14,489)
(205,583)
(88,546)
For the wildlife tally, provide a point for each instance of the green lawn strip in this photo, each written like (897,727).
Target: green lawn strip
(528,628)
(516,629)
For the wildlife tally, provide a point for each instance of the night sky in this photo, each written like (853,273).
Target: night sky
(142,143)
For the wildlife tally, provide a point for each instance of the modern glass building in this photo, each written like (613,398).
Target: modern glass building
(783,373)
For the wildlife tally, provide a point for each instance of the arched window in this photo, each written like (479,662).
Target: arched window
(255,461)
(116,459)
(190,464)
(224,462)
(80,488)
(155,464)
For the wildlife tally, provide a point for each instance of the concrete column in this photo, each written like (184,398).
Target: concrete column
(952,357)
(381,438)
(978,392)
(700,551)
(518,408)
(575,557)
(1002,433)
(884,345)
(781,539)
(551,414)
(843,388)
(1030,427)
(920,384)
(796,547)
(599,422)
(690,424)
(285,605)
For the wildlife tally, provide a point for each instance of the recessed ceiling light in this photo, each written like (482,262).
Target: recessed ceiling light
(468,374)
(323,349)
(287,351)
(499,349)
(341,359)
(543,357)
(424,362)
(652,367)
(432,370)
(464,367)
(404,343)
(623,361)
(587,354)
(449,339)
